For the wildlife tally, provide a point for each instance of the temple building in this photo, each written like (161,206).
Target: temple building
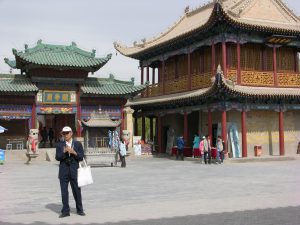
(54,89)
(251,100)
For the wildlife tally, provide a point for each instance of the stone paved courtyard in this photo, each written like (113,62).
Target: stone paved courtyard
(157,191)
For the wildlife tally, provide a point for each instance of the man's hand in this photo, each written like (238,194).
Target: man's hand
(70,150)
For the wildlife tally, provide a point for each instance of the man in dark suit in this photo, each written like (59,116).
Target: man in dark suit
(69,152)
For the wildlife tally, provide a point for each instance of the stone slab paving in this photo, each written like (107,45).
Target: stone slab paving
(157,191)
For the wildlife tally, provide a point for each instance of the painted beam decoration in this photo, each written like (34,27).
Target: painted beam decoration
(280,39)
(56,110)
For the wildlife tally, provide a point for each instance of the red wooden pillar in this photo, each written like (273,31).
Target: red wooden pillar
(275,66)
(238,50)
(224,59)
(296,62)
(143,128)
(33,116)
(213,59)
(148,74)
(136,131)
(122,119)
(209,117)
(142,75)
(159,134)
(189,71)
(151,129)
(281,134)
(224,129)
(162,74)
(148,79)
(244,135)
(153,75)
(78,105)
(185,127)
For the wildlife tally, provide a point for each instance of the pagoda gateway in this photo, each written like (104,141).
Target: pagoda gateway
(251,101)
(54,90)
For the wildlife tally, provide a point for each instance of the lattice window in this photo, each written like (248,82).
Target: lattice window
(218,50)
(251,57)
(285,59)
(231,56)
(206,59)
(182,65)
(195,62)
(269,59)
(170,69)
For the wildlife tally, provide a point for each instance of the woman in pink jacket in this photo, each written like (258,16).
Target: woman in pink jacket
(201,149)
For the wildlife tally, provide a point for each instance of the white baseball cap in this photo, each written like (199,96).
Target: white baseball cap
(66,129)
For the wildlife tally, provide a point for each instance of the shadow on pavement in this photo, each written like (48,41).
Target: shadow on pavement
(54,207)
(271,216)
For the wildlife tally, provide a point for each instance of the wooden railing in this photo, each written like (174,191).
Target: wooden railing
(177,85)
(257,78)
(201,81)
(232,75)
(155,90)
(248,78)
(288,79)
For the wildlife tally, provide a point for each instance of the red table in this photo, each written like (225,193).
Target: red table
(213,153)
(187,151)
(197,152)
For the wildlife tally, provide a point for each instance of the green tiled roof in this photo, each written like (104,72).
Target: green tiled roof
(58,56)
(110,87)
(10,83)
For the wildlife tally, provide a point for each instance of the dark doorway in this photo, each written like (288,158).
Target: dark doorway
(214,134)
(58,121)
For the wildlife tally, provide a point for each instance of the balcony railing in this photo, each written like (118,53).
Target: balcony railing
(177,85)
(155,90)
(288,79)
(201,81)
(257,78)
(248,78)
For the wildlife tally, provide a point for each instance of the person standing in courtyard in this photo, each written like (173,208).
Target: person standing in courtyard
(207,150)
(123,153)
(69,152)
(180,147)
(51,136)
(44,137)
(196,144)
(220,150)
(201,149)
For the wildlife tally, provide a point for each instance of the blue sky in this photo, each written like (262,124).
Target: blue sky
(92,24)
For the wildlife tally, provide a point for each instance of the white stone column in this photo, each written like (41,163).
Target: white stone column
(129,123)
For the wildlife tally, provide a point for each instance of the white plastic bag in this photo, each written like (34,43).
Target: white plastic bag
(84,175)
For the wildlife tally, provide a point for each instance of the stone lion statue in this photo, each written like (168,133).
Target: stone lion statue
(33,142)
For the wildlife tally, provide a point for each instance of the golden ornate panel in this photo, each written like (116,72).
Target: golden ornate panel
(232,75)
(155,90)
(257,78)
(178,85)
(288,79)
(201,81)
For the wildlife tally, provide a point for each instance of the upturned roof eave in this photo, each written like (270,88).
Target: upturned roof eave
(217,12)
(22,63)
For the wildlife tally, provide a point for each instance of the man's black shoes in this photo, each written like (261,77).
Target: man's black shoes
(64,215)
(81,213)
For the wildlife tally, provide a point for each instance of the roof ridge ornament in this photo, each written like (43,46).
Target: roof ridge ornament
(39,42)
(94,53)
(187,9)
(219,70)
(73,44)
(26,47)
